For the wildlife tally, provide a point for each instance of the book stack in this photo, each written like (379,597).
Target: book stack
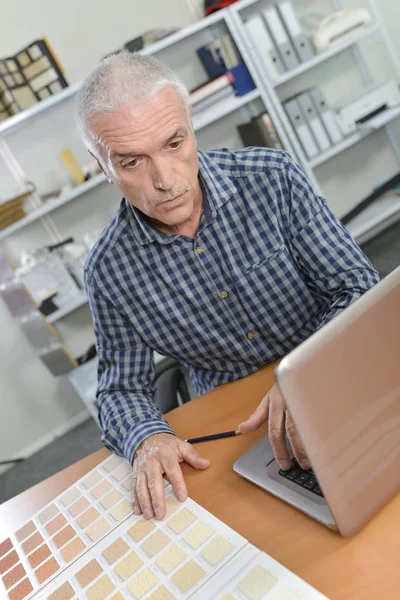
(28,77)
(260,132)
(12,210)
(212,92)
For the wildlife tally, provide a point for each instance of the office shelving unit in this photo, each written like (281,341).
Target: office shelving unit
(263,97)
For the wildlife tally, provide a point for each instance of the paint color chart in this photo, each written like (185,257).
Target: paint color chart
(89,544)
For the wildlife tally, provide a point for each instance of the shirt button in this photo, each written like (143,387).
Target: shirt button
(224,294)
(250,335)
(199,250)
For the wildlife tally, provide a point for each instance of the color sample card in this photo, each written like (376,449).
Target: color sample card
(65,529)
(88,544)
(172,558)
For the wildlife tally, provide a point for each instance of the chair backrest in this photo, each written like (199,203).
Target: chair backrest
(173,385)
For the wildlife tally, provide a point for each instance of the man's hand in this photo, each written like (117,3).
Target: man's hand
(158,454)
(273,410)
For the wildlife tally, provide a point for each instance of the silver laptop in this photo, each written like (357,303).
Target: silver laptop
(342,388)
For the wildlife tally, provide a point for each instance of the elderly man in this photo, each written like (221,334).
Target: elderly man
(224,260)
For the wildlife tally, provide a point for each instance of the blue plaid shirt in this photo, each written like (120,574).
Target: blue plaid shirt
(268,266)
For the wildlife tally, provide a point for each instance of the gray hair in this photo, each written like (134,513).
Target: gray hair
(122,79)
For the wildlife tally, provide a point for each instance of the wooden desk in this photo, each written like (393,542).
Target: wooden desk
(365,567)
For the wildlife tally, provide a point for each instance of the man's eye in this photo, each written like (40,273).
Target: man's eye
(131,163)
(174,145)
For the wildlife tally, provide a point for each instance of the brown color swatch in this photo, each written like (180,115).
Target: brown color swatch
(5,547)
(65,592)
(47,570)
(55,524)
(79,506)
(39,556)
(90,515)
(8,561)
(33,542)
(21,590)
(64,536)
(13,576)
(26,530)
(117,549)
(72,549)
(140,529)
(88,573)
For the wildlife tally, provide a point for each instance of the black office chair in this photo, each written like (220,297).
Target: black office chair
(173,385)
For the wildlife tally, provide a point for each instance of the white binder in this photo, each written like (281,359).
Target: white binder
(265,46)
(281,38)
(312,118)
(292,25)
(301,128)
(327,115)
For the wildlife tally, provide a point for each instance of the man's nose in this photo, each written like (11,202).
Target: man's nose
(164,176)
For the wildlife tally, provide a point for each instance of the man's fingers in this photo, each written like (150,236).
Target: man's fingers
(296,443)
(192,457)
(258,418)
(143,496)
(276,433)
(155,484)
(174,474)
(135,501)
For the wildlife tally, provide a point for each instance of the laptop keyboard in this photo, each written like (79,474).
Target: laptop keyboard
(305,479)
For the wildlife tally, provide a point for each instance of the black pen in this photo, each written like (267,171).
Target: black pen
(214,436)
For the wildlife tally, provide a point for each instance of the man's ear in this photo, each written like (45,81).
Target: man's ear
(100,165)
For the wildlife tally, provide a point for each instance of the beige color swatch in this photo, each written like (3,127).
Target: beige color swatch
(122,509)
(142,583)
(227,597)
(55,524)
(65,592)
(72,549)
(128,565)
(32,542)
(48,513)
(171,506)
(215,550)
(117,549)
(127,483)
(283,592)
(88,573)
(111,499)
(112,463)
(97,529)
(256,583)
(117,596)
(26,530)
(171,558)
(79,506)
(122,472)
(161,593)
(156,542)
(100,589)
(181,520)
(91,479)
(71,496)
(140,529)
(198,534)
(188,575)
(90,515)
(101,488)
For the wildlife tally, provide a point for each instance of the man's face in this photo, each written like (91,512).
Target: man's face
(153,153)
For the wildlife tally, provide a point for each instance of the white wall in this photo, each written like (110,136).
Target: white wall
(33,404)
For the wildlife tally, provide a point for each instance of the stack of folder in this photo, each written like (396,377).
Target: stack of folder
(260,132)
(13,210)
(212,92)
(279,39)
(313,121)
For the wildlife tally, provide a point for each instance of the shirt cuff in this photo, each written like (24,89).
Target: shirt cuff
(139,432)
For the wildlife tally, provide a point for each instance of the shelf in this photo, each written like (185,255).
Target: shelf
(319,58)
(349,141)
(79,301)
(223,108)
(374,215)
(51,205)
(16,121)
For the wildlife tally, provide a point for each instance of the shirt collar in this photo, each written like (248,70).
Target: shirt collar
(217,188)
